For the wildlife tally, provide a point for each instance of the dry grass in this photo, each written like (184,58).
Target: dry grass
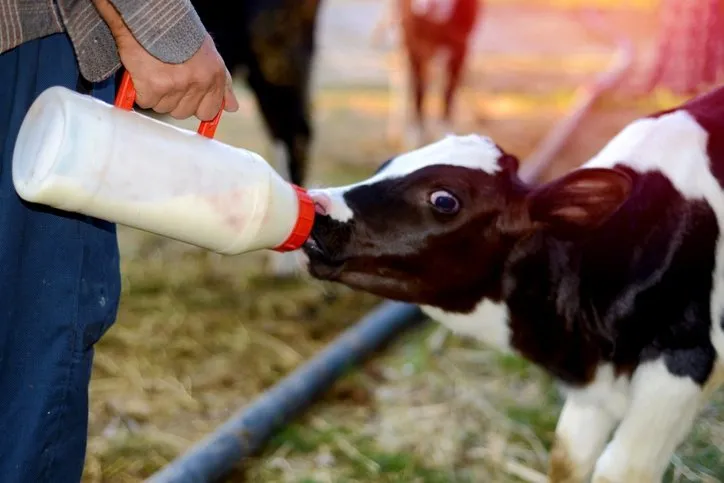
(200,335)
(196,338)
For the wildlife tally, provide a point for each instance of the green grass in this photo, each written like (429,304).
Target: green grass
(358,455)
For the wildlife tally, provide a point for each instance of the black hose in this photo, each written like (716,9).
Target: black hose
(246,432)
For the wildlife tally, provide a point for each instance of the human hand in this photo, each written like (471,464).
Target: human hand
(196,87)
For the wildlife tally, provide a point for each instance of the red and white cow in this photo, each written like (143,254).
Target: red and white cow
(429,29)
(611,277)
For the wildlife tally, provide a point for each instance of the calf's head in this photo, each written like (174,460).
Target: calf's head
(435,226)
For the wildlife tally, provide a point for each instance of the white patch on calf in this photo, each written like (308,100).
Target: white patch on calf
(606,391)
(471,151)
(676,145)
(337,208)
(581,434)
(660,414)
(488,322)
(589,415)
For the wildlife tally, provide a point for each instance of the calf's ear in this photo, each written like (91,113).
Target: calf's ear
(580,200)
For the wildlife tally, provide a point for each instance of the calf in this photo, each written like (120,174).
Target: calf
(611,277)
(431,27)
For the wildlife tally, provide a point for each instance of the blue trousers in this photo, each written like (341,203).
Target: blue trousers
(59,291)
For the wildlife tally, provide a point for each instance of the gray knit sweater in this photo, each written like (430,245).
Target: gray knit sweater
(169,29)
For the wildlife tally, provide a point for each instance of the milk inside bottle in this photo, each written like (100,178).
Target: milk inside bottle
(79,154)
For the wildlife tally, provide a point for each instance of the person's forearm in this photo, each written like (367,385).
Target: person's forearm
(170,30)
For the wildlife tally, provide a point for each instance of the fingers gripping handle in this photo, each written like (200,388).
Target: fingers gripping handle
(127,96)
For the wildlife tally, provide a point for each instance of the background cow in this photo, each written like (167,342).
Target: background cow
(273,41)
(430,30)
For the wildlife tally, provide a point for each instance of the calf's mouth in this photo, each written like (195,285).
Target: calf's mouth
(322,264)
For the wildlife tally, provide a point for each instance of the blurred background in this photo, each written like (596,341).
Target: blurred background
(200,335)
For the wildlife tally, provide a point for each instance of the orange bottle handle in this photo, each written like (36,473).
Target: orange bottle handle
(126,96)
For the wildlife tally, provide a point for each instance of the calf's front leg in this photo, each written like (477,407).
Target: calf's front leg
(581,434)
(661,412)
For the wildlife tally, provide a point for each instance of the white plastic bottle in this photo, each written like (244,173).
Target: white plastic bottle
(79,154)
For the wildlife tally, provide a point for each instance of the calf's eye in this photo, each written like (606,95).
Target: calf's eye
(444,202)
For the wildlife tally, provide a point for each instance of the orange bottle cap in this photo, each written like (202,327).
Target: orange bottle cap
(303,226)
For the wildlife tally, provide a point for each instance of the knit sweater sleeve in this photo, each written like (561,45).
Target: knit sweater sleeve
(170,30)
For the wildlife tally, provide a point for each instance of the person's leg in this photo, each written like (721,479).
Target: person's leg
(59,291)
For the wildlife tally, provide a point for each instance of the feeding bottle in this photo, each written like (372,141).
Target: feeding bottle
(79,154)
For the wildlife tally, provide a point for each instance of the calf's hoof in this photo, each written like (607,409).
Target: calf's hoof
(561,468)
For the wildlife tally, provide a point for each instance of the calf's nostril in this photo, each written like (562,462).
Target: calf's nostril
(322,203)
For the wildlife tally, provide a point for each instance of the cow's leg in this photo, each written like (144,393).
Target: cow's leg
(287,120)
(299,141)
(417,68)
(455,64)
(581,435)
(399,88)
(661,412)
